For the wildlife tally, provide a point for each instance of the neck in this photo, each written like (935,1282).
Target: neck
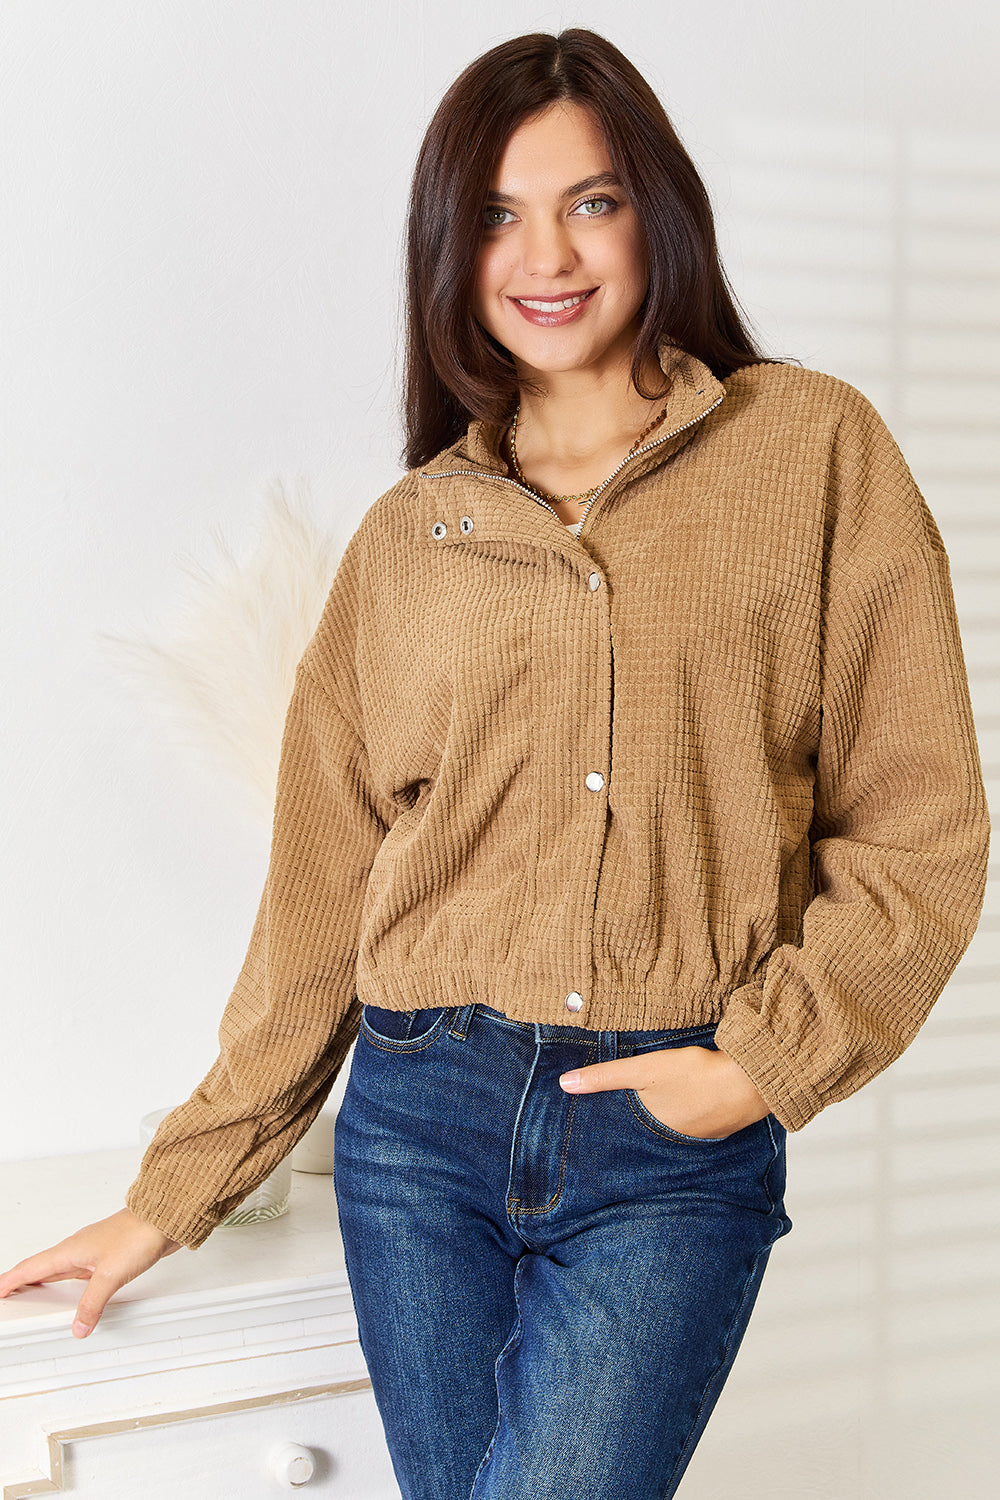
(576,416)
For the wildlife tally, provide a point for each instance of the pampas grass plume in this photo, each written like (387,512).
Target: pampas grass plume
(224,671)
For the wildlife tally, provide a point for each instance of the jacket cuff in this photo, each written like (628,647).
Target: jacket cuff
(191,1228)
(776,1074)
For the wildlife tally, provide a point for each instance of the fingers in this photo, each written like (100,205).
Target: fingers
(47,1265)
(620,1073)
(106,1255)
(100,1289)
(59,1264)
(695,1090)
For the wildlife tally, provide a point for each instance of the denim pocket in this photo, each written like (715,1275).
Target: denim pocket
(404,1030)
(693,1036)
(647,1119)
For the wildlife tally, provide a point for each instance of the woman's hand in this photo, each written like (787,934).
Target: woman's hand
(106,1255)
(694,1090)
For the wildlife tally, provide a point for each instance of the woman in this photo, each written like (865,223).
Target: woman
(630,813)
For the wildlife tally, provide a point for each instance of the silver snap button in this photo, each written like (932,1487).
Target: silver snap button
(595,781)
(574,1001)
(594,580)
(466,524)
(438,530)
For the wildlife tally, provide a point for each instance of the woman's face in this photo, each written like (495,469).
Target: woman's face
(558,226)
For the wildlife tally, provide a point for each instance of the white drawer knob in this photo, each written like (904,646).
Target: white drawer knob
(291,1465)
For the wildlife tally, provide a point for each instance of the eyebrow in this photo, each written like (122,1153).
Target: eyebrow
(601,179)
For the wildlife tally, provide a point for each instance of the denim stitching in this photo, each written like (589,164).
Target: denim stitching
(685,1453)
(656,1127)
(767,1169)
(701,1029)
(689,1446)
(403,1046)
(510,1345)
(457,1013)
(515,1202)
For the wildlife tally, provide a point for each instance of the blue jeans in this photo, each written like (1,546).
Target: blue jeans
(550,1288)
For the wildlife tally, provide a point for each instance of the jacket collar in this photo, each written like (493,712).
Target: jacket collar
(694,392)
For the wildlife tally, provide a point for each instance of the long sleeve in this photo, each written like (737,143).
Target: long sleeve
(900,831)
(293,1012)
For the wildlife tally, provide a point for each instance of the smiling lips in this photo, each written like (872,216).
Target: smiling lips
(552,312)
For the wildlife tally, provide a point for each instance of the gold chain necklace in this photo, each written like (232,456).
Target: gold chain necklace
(586,494)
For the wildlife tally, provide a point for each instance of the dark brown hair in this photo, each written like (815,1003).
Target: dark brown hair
(454,369)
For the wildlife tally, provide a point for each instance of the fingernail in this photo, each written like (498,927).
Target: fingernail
(80,1330)
(570,1080)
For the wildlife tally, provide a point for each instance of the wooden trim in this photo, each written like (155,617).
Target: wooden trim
(59,1442)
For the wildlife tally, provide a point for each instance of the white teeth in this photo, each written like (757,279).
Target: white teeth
(552,306)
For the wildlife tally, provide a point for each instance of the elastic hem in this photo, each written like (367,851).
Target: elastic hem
(531,997)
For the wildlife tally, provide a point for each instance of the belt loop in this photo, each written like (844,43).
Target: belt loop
(463,1019)
(607,1046)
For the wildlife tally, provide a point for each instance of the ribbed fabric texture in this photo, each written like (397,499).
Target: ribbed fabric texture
(713,761)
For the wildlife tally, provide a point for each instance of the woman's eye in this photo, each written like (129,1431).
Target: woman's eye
(592,206)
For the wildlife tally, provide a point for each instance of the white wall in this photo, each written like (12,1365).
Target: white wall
(202,211)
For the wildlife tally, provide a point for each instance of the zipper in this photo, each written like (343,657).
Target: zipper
(501,479)
(505,479)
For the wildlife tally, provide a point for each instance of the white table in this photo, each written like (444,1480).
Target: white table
(200,1373)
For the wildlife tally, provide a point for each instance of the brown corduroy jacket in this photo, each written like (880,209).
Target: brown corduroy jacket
(713,761)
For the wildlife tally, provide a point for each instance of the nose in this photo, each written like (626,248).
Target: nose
(547,249)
